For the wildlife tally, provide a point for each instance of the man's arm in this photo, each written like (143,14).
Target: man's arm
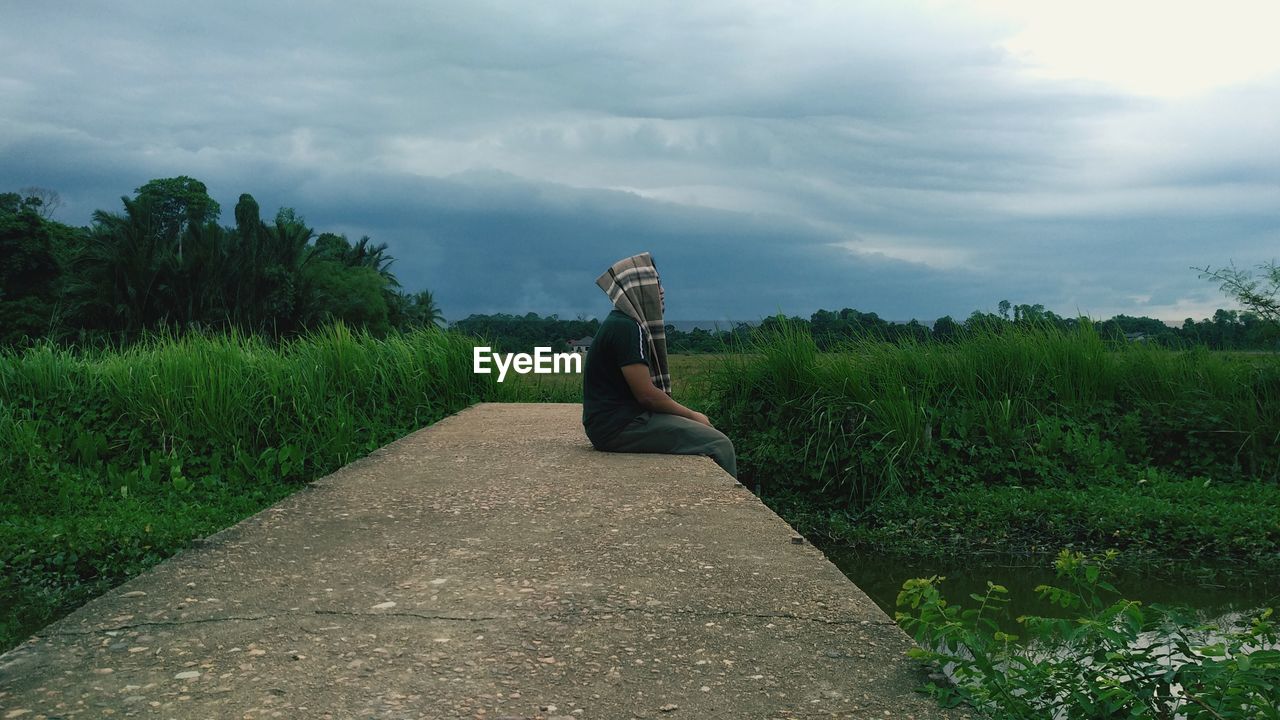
(654,400)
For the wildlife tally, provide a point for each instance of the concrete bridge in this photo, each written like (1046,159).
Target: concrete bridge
(490,566)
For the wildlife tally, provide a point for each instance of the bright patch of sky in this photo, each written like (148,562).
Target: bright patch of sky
(1158,48)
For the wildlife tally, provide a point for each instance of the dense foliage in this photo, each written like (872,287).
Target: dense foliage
(1226,330)
(165,262)
(112,461)
(521,333)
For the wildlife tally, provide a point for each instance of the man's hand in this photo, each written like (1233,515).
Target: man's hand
(652,399)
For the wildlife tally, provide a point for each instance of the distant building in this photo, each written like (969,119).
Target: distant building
(1136,337)
(580,346)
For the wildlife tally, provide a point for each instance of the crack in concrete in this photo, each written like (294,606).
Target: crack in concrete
(422,616)
(763,616)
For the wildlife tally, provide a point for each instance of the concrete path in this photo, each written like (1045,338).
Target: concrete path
(490,566)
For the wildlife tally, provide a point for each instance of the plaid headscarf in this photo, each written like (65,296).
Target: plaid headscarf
(632,285)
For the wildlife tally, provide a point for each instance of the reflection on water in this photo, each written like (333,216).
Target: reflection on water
(1212,590)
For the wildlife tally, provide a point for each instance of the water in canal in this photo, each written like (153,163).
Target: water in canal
(1214,591)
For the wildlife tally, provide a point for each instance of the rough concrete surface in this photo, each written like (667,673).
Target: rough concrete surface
(490,566)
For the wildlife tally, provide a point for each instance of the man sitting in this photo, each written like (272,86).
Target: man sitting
(626,387)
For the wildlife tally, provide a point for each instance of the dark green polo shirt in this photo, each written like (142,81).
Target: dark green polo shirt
(607,402)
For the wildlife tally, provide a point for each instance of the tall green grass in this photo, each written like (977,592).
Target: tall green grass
(1029,406)
(111,461)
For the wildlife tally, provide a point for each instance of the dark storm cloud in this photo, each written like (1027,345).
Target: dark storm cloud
(517,246)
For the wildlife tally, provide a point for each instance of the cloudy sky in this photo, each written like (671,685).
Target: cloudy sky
(914,159)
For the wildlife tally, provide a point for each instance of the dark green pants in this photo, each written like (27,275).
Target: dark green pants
(663,433)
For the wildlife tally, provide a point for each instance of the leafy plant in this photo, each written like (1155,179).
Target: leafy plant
(1103,657)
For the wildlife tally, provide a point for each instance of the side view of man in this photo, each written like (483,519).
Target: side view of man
(626,386)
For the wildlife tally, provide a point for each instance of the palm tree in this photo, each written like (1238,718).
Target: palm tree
(123,276)
(362,254)
(283,254)
(420,310)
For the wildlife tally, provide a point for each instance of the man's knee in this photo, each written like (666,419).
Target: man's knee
(723,445)
(726,442)
(723,453)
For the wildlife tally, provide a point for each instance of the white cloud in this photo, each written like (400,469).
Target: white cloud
(1149,47)
(913,250)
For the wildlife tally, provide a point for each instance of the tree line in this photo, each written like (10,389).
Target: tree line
(165,262)
(1226,330)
